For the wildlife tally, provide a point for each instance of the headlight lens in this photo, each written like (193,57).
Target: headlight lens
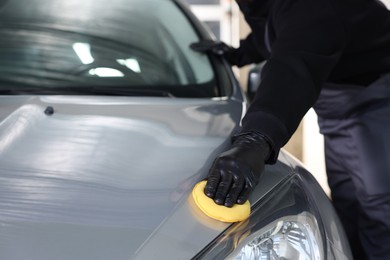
(292,237)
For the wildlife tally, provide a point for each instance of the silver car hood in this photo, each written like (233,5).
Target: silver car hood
(109,178)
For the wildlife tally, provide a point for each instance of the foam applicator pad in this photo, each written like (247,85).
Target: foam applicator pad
(219,212)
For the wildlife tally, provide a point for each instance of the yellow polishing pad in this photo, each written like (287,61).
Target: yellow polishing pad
(222,213)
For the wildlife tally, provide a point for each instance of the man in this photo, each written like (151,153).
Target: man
(333,55)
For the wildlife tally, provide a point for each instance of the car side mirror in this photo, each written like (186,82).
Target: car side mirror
(254,80)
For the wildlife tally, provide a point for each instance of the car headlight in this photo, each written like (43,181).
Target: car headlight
(287,224)
(292,237)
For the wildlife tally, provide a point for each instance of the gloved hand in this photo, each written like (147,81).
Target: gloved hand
(235,173)
(214,47)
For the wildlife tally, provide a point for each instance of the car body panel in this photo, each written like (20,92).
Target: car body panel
(74,178)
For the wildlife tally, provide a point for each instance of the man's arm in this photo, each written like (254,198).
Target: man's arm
(246,54)
(310,39)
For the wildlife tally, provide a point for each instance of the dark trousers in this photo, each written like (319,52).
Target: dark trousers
(355,122)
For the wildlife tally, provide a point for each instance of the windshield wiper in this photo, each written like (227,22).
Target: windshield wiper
(104,91)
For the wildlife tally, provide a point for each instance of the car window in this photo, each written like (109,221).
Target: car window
(64,47)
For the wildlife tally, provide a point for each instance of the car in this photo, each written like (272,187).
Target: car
(107,121)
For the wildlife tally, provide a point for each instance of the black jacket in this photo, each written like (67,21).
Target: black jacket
(307,43)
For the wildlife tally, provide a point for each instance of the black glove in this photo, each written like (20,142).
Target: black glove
(236,172)
(213,47)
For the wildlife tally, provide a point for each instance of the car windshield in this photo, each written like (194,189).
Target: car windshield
(117,47)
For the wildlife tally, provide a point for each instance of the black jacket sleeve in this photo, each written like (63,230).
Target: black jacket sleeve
(246,54)
(308,40)
(252,49)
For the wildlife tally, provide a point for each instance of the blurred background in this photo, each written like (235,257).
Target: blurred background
(227,24)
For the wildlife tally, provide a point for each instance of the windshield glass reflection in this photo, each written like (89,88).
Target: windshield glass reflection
(129,44)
